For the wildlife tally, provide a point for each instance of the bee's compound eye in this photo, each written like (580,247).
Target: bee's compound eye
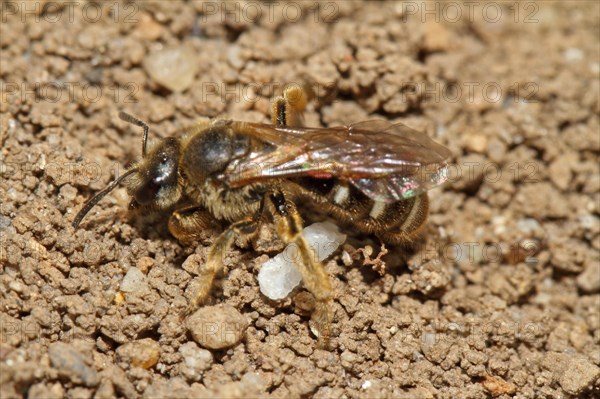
(160,172)
(146,193)
(165,172)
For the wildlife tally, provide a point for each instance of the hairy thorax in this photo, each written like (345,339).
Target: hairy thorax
(229,204)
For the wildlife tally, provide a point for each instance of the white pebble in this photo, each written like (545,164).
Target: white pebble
(15,286)
(174,68)
(588,221)
(347,259)
(573,54)
(234,57)
(195,360)
(279,276)
(528,225)
(133,281)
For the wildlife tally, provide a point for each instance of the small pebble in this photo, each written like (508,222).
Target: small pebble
(589,279)
(42,390)
(279,276)
(347,259)
(498,386)
(496,149)
(174,68)
(133,281)
(192,263)
(106,390)
(573,54)
(475,143)
(68,192)
(217,327)
(575,373)
(234,57)
(144,264)
(559,172)
(436,37)
(148,28)
(528,225)
(71,364)
(16,286)
(119,298)
(195,361)
(142,353)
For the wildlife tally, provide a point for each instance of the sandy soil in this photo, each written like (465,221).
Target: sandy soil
(500,300)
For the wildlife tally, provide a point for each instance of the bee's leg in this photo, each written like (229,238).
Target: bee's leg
(289,227)
(214,259)
(287,109)
(188,224)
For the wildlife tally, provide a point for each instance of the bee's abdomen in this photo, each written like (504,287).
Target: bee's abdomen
(394,222)
(408,216)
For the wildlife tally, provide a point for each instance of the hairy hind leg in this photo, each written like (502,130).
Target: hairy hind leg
(287,109)
(289,227)
(214,260)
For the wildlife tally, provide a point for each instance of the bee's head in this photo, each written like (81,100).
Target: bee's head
(155,181)
(152,182)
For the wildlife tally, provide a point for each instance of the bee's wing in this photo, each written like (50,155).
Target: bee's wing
(387,162)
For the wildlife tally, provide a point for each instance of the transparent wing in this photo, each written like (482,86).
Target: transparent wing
(387,162)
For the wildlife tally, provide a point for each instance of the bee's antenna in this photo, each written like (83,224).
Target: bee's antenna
(138,122)
(96,198)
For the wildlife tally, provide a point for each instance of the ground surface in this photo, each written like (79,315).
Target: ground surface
(501,300)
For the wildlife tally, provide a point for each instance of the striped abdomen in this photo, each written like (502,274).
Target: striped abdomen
(395,223)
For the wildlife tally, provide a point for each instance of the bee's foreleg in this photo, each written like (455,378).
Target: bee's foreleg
(287,108)
(214,259)
(289,227)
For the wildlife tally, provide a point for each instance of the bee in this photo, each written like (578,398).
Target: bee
(371,175)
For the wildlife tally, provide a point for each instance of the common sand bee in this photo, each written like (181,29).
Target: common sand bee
(371,175)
